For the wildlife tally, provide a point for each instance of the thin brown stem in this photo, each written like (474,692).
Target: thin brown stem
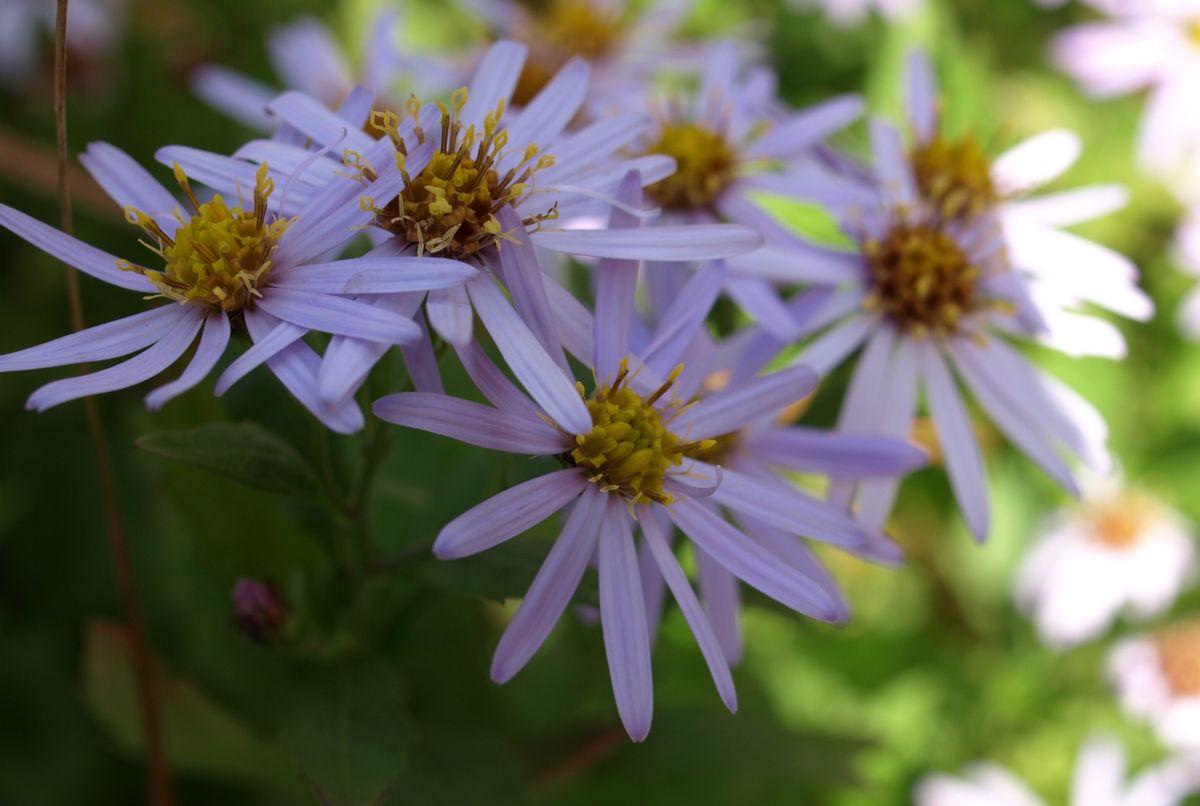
(158,782)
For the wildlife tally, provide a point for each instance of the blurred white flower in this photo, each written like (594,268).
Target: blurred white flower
(1099,780)
(1117,550)
(853,12)
(1147,44)
(1158,679)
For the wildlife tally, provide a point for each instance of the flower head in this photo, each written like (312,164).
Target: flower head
(1157,677)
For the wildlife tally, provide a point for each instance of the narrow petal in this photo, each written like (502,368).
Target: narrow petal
(553,586)
(545,381)
(450,314)
(684,317)
(730,410)
(129,184)
(763,304)
(811,450)
(422,361)
(796,554)
(345,317)
(963,462)
(795,135)
(73,252)
(494,80)
(377,275)
(238,96)
(142,366)
(212,345)
(750,562)
(469,422)
(278,339)
(891,416)
(669,243)
(623,622)
(99,343)
(825,353)
(1070,207)
(308,58)
(316,121)
(723,604)
(863,401)
(508,514)
(1036,161)
(547,115)
(522,275)
(801,264)
(891,164)
(348,361)
(922,96)
(616,286)
(596,141)
(491,382)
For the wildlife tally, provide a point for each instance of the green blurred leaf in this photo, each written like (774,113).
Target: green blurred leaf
(243,452)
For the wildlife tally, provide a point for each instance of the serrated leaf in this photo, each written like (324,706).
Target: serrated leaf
(245,453)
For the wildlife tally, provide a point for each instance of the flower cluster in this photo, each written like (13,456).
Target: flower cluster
(444,222)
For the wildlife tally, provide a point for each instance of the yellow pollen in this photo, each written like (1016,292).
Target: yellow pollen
(450,207)
(705,165)
(921,279)
(630,449)
(954,176)
(221,256)
(1121,523)
(1179,655)
(560,30)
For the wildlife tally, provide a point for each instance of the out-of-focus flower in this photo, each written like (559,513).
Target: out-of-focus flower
(853,12)
(733,139)
(307,57)
(633,453)
(1117,550)
(1187,254)
(1147,44)
(1158,679)
(482,185)
(94,28)
(258,609)
(949,264)
(1100,780)
(220,262)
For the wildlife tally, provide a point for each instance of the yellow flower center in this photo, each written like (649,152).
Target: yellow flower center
(560,30)
(1179,655)
(1121,523)
(921,279)
(954,176)
(630,449)
(450,207)
(705,165)
(1192,28)
(220,256)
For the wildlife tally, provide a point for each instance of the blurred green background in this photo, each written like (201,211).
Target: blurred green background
(378,691)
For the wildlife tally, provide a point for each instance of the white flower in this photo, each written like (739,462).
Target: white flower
(1118,550)
(1158,679)
(1099,780)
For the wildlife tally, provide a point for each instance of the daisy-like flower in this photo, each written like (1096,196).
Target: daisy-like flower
(950,262)
(94,30)
(1144,45)
(214,264)
(733,140)
(1157,677)
(853,12)
(1099,780)
(1117,550)
(485,187)
(307,57)
(632,453)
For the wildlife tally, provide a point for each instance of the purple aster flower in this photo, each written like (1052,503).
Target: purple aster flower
(731,141)
(218,263)
(307,57)
(950,262)
(482,186)
(1147,44)
(632,455)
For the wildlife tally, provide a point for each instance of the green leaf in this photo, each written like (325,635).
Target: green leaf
(243,452)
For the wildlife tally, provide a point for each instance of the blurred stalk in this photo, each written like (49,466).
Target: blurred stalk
(158,782)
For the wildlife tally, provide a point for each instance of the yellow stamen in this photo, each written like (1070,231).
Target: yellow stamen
(560,30)
(954,176)
(705,165)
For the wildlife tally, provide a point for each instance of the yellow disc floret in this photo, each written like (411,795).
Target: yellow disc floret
(921,278)
(220,256)
(705,165)
(1179,656)
(560,30)
(954,177)
(450,206)
(630,449)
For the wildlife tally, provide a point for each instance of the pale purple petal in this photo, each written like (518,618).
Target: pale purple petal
(829,453)
(750,562)
(800,132)
(317,122)
(73,252)
(232,176)
(800,263)
(348,361)
(545,381)
(623,621)
(826,352)
(553,586)
(894,413)
(863,400)
(338,315)
(308,58)
(238,96)
(616,286)
(377,275)
(212,345)
(762,303)
(963,462)
(576,325)
(280,337)
(597,140)
(99,343)
(508,514)
(891,164)
(450,314)
(522,276)
(494,80)
(422,361)
(723,604)
(731,409)
(141,367)
(684,317)
(493,383)
(472,423)
(922,97)
(669,243)
(129,184)
(796,554)
(706,638)
(547,115)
